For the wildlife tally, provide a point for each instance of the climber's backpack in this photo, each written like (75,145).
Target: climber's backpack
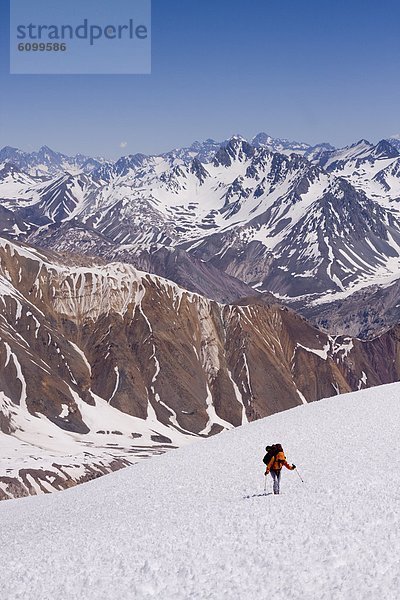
(271,452)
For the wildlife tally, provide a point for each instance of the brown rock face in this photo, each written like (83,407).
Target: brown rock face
(88,349)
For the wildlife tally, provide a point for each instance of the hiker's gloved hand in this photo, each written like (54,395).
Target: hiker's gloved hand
(266,472)
(293,466)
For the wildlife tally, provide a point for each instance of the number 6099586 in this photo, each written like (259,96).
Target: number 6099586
(42,47)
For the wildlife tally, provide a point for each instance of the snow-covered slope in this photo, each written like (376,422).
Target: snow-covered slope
(374,169)
(195,523)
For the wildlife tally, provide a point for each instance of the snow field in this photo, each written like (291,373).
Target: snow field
(195,524)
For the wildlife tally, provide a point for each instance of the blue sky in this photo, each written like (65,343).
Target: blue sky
(312,71)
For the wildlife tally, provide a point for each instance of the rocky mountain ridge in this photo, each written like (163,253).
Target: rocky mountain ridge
(306,224)
(103,364)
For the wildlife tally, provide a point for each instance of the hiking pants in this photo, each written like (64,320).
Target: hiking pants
(276,476)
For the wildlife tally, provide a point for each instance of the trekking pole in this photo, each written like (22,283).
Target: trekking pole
(299,475)
(265,484)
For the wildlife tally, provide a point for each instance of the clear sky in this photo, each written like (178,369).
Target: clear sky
(308,70)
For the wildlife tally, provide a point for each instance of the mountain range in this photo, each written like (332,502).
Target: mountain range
(277,216)
(154,300)
(107,364)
